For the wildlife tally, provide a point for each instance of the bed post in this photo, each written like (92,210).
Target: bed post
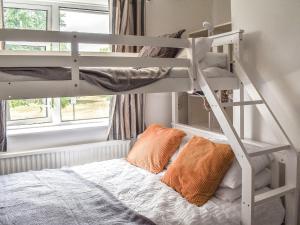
(193,68)
(193,79)
(174,108)
(75,64)
(239,96)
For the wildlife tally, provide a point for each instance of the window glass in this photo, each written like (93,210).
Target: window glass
(27,109)
(84,108)
(94,22)
(26,19)
(30,19)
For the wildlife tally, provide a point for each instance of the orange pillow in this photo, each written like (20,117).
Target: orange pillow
(155,147)
(199,169)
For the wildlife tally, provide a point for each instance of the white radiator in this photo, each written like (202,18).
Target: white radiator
(62,156)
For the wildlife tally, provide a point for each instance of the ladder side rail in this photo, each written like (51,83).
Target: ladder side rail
(237,53)
(255,95)
(291,170)
(238,148)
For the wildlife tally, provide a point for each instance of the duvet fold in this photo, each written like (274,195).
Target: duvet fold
(56,197)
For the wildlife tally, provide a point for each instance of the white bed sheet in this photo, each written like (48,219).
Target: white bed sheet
(143,192)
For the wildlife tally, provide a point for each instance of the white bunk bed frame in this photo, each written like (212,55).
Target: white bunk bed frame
(196,81)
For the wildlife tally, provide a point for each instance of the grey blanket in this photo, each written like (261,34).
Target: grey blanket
(114,79)
(60,197)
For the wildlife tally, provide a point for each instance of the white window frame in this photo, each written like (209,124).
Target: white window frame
(53,8)
(31,121)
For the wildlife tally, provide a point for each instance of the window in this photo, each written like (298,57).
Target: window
(84,108)
(32,16)
(30,19)
(17,17)
(33,110)
(27,109)
(94,22)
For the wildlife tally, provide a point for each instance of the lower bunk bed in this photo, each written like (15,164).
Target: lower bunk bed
(117,192)
(72,196)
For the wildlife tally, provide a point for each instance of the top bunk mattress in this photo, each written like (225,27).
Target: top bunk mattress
(59,73)
(121,79)
(115,79)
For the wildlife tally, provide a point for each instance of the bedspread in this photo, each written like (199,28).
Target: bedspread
(60,197)
(115,79)
(143,192)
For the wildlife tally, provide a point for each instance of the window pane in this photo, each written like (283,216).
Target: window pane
(27,19)
(23,47)
(67,109)
(27,109)
(84,108)
(94,22)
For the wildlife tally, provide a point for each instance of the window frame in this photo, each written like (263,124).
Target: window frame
(32,121)
(53,8)
(48,118)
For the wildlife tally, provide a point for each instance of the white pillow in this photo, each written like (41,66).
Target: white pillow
(175,155)
(233,177)
(182,54)
(202,46)
(213,59)
(217,72)
(261,180)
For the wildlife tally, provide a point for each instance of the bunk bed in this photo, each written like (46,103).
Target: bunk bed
(178,79)
(185,76)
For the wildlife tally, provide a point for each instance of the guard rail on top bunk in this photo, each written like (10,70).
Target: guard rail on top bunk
(76,59)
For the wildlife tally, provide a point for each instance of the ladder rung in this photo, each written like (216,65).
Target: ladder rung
(268,150)
(273,194)
(231,104)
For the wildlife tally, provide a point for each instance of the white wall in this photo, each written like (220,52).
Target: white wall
(221,11)
(42,138)
(271,57)
(168,16)
(164,16)
(158,109)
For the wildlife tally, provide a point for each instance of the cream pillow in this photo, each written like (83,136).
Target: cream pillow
(233,177)
(261,180)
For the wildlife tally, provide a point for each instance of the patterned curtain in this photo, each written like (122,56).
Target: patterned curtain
(127,111)
(3,140)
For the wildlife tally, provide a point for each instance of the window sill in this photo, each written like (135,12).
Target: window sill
(46,128)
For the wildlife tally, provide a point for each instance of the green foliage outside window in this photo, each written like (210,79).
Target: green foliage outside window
(15,47)
(25,102)
(29,19)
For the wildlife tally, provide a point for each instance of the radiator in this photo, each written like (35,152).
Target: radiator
(62,156)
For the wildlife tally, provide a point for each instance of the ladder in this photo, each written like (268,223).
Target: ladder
(249,200)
